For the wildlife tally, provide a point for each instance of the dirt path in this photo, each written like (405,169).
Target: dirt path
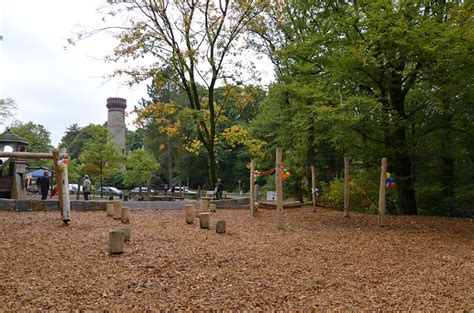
(319,261)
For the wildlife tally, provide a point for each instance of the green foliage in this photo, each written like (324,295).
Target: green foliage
(36,135)
(99,156)
(7,109)
(140,167)
(373,79)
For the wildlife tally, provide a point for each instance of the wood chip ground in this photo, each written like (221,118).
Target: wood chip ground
(320,261)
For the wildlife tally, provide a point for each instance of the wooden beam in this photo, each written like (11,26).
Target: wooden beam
(313,186)
(29,155)
(59,179)
(347,190)
(383,179)
(279,188)
(252,187)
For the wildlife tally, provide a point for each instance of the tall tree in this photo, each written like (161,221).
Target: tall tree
(371,67)
(140,167)
(197,39)
(99,156)
(36,135)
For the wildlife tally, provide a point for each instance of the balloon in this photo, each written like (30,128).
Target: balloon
(390,180)
(66,162)
(61,166)
(388,175)
(392,185)
(288,174)
(387,185)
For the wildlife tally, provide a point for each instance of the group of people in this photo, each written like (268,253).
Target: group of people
(43,183)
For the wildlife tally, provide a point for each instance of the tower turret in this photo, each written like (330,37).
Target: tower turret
(116,121)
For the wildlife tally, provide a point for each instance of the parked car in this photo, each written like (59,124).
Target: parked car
(73,187)
(109,191)
(185,190)
(144,189)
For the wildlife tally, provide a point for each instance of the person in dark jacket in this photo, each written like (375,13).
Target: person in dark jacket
(219,189)
(43,184)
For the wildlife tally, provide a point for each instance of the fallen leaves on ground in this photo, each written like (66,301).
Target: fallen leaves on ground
(319,261)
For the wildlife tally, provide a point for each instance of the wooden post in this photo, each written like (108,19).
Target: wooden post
(347,190)
(58,177)
(126,232)
(204,220)
(383,173)
(204,205)
(125,215)
(117,212)
(213,207)
(116,241)
(66,203)
(252,187)
(220,227)
(190,213)
(110,209)
(313,186)
(148,191)
(279,188)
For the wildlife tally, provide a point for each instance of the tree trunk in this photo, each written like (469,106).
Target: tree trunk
(402,162)
(212,165)
(310,160)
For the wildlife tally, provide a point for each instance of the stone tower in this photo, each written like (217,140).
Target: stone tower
(116,121)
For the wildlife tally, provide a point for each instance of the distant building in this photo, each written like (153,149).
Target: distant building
(116,121)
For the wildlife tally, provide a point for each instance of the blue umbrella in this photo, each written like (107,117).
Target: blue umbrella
(40,173)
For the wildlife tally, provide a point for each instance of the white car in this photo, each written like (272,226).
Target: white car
(73,187)
(185,190)
(144,189)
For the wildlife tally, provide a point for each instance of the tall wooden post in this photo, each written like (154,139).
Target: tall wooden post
(347,190)
(66,204)
(59,182)
(65,196)
(252,187)
(313,186)
(279,188)
(383,173)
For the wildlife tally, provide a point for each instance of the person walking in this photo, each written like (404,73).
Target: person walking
(219,189)
(86,187)
(43,184)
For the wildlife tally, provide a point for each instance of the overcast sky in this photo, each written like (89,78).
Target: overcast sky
(53,86)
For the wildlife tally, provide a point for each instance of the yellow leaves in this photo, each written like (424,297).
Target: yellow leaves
(194,147)
(162,114)
(235,135)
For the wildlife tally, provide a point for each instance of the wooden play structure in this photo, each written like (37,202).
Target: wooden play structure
(279,205)
(12,184)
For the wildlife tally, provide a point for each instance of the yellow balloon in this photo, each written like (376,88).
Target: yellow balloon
(387,175)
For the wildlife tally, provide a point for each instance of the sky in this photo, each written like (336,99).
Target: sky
(51,85)
(55,84)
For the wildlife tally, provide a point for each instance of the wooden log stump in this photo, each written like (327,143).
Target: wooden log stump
(126,232)
(190,213)
(125,215)
(204,205)
(117,210)
(220,227)
(110,209)
(116,241)
(213,207)
(204,220)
